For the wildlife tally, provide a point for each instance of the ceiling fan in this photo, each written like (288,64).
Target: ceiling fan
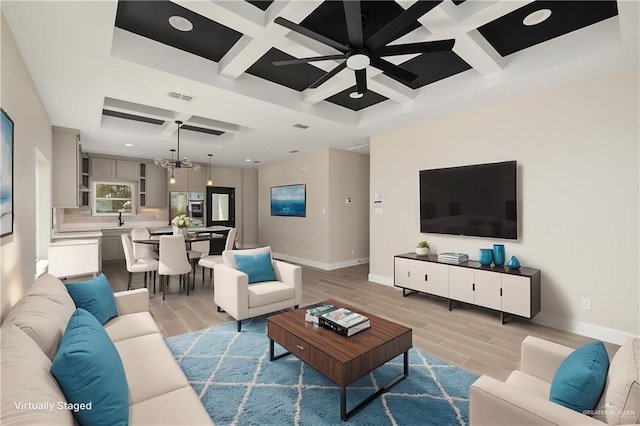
(358,54)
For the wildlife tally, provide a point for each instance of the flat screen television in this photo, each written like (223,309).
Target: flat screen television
(478,200)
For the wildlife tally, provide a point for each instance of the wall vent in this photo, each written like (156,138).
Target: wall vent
(301,126)
(132,117)
(176,95)
(202,130)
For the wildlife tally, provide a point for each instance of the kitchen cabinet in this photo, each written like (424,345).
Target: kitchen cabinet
(153,185)
(109,168)
(112,244)
(65,167)
(189,180)
(69,258)
(515,292)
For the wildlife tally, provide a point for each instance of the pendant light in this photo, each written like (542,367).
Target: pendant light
(210,181)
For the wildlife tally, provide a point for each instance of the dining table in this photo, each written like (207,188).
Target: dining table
(188,239)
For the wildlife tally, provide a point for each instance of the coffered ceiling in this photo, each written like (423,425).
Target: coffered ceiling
(122,74)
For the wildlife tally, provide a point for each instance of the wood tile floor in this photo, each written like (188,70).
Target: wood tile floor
(468,336)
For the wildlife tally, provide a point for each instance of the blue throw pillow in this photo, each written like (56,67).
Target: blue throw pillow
(580,379)
(258,267)
(90,373)
(94,296)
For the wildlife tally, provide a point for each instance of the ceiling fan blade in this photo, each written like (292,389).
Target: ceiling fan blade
(353,15)
(390,31)
(423,47)
(327,76)
(311,34)
(361,80)
(393,70)
(307,60)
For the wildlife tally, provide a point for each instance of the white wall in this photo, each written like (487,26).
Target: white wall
(333,234)
(32,133)
(577,153)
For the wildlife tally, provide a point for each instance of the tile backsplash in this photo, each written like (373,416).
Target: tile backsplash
(83,216)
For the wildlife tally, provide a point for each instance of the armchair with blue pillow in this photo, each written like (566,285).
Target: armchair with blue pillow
(558,385)
(249,283)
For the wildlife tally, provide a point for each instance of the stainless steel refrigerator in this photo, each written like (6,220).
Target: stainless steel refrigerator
(187,203)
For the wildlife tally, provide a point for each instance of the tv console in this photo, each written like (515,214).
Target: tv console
(510,292)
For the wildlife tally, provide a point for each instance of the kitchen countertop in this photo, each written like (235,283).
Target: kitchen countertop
(75,235)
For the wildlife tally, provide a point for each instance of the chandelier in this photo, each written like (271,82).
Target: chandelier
(178,163)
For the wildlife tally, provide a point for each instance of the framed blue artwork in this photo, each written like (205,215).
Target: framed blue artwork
(6,174)
(289,200)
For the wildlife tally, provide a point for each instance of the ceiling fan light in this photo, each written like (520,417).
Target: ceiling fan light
(358,61)
(537,17)
(356,95)
(180,23)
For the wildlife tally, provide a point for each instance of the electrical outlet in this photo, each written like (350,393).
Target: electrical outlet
(157,216)
(586,304)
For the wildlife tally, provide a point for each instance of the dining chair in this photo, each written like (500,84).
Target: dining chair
(209,261)
(142,251)
(134,265)
(199,249)
(173,261)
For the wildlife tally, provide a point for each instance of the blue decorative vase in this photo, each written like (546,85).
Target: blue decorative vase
(513,263)
(498,254)
(486,256)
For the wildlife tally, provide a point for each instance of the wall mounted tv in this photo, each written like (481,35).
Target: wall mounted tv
(478,200)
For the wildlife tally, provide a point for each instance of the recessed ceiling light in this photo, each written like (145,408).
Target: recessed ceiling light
(128,144)
(248,160)
(356,95)
(536,17)
(180,23)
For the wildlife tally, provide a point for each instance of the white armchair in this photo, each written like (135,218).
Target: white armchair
(234,295)
(524,398)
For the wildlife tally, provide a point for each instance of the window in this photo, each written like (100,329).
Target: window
(111,198)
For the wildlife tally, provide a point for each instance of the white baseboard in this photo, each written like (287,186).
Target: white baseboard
(380,279)
(320,265)
(584,329)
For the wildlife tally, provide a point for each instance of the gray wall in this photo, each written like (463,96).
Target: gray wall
(331,229)
(32,143)
(577,153)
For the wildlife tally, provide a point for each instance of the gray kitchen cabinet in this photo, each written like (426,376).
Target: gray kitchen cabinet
(109,168)
(65,167)
(189,180)
(112,244)
(127,169)
(153,185)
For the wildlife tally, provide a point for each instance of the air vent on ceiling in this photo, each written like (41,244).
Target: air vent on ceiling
(132,117)
(301,126)
(294,151)
(202,130)
(176,95)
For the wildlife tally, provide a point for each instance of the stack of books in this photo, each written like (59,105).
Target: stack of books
(450,257)
(313,314)
(344,321)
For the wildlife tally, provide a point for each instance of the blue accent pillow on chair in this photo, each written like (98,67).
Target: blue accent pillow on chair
(94,296)
(258,267)
(580,379)
(89,371)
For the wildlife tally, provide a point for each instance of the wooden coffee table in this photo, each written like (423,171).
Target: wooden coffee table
(341,359)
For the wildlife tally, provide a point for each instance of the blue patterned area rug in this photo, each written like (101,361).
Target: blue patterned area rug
(238,385)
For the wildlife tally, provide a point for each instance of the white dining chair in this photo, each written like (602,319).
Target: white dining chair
(209,261)
(134,265)
(199,249)
(142,251)
(173,261)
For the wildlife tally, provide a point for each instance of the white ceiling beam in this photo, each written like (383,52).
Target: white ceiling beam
(390,88)
(342,81)
(479,53)
(242,55)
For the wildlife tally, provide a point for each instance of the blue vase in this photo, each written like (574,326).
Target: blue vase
(486,256)
(513,263)
(498,254)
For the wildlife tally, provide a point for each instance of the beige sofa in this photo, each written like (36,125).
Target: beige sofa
(524,398)
(158,389)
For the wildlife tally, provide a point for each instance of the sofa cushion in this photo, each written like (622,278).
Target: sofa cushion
(228,256)
(580,379)
(257,267)
(266,293)
(129,326)
(150,367)
(26,380)
(620,401)
(94,296)
(90,372)
(43,313)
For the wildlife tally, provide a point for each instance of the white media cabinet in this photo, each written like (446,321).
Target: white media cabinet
(513,292)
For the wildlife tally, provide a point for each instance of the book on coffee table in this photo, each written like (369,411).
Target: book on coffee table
(313,314)
(344,321)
